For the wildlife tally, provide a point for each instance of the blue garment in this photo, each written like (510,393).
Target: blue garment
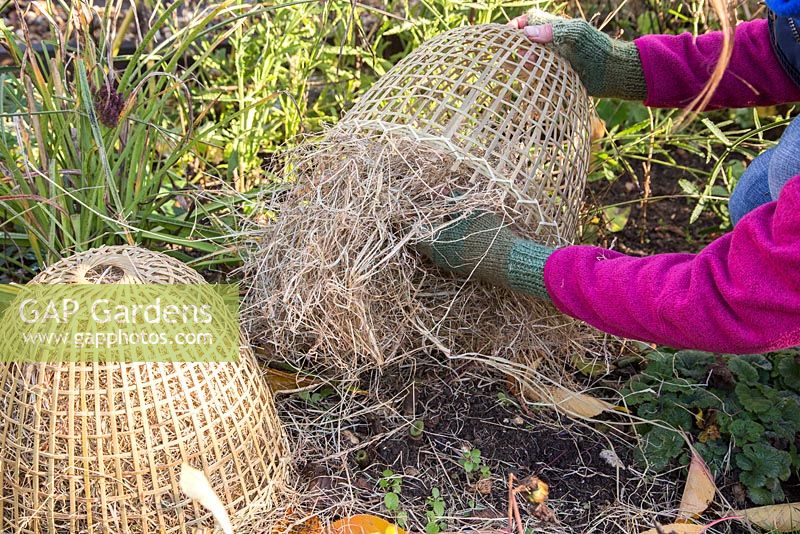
(785,8)
(764,178)
(784,36)
(752,189)
(785,163)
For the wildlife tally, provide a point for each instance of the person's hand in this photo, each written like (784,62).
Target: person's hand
(482,246)
(607,67)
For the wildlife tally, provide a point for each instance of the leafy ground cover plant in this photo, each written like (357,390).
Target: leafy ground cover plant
(473,464)
(391,484)
(742,411)
(435,513)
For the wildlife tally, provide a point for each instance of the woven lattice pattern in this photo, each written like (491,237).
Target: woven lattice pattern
(514,112)
(97,447)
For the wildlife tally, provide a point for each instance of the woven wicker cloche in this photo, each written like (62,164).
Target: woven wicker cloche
(515,112)
(98,447)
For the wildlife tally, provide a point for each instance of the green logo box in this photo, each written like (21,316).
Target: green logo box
(120,323)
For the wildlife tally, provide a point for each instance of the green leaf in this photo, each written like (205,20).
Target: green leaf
(743,370)
(787,367)
(438,508)
(616,217)
(660,447)
(714,454)
(700,397)
(405,26)
(759,361)
(765,461)
(745,430)
(717,132)
(391,501)
(689,188)
(760,496)
(752,399)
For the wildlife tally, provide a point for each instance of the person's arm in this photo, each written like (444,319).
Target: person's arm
(677,67)
(667,70)
(741,294)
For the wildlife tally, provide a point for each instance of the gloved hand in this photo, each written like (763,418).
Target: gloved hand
(607,67)
(483,247)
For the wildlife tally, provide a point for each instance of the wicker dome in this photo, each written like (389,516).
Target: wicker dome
(98,447)
(515,112)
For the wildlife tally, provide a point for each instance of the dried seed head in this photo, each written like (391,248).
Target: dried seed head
(109,103)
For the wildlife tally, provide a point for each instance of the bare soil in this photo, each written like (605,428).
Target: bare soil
(589,467)
(660,222)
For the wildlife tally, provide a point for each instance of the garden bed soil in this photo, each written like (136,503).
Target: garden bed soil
(660,224)
(469,408)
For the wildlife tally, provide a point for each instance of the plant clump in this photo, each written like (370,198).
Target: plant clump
(335,277)
(747,417)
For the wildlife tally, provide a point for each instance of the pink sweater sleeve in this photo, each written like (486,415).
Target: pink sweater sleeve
(677,67)
(741,294)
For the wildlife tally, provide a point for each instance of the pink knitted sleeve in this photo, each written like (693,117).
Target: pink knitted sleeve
(741,294)
(677,67)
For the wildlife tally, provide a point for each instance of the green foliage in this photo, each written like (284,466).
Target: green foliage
(506,401)
(279,75)
(392,486)
(317,397)
(166,153)
(659,447)
(435,513)
(93,156)
(473,464)
(205,104)
(293,69)
(763,468)
(743,409)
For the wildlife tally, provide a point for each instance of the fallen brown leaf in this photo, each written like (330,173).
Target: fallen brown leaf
(543,513)
(569,402)
(778,517)
(484,486)
(598,128)
(281,381)
(699,490)
(295,522)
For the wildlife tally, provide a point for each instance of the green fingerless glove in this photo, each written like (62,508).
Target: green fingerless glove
(607,67)
(483,247)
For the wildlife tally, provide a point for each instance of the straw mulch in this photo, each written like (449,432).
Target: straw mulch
(335,278)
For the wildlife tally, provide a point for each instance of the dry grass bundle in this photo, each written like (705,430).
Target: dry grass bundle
(477,110)
(335,276)
(98,447)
